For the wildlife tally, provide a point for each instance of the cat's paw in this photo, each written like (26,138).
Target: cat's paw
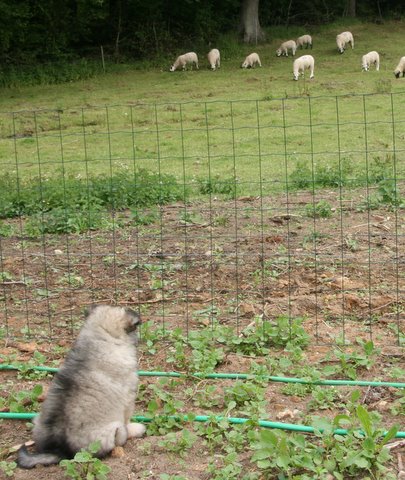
(136,430)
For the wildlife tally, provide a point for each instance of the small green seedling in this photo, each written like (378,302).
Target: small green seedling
(85,466)
(7,468)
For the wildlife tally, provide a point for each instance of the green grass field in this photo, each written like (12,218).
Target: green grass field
(253,126)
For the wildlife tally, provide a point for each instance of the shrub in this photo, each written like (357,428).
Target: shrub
(74,205)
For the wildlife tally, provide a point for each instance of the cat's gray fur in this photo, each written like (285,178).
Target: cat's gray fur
(91,398)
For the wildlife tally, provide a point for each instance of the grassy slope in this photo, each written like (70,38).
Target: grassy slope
(216,138)
(160,85)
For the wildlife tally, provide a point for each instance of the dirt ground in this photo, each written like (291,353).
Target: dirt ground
(226,261)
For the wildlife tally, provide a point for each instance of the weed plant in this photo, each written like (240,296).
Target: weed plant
(8,468)
(57,72)
(73,205)
(22,400)
(85,465)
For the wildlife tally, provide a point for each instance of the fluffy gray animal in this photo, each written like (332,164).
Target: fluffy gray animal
(91,398)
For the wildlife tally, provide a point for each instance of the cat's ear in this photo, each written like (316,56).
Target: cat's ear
(89,310)
(133,320)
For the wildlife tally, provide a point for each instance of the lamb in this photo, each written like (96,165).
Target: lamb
(251,61)
(400,68)
(342,39)
(301,63)
(284,47)
(183,60)
(304,40)
(214,58)
(369,59)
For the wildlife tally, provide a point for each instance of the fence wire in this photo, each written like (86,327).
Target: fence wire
(202,212)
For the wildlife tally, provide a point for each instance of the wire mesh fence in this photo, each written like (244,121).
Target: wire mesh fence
(203,212)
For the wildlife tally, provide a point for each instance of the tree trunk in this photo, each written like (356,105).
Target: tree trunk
(250,26)
(351,8)
(117,38)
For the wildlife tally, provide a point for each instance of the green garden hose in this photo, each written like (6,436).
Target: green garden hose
(205,418)
(243,376)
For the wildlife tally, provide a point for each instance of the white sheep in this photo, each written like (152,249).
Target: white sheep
(214,58)
(251,61)
(183,60)
(369,59)
(342,39)
(301,63)
(304,40)
(400,68)
(284,47)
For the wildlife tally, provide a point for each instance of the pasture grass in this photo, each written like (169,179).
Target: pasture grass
(256,128)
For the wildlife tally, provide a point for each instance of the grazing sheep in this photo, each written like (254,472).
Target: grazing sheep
(342,39)
(183,60)
(369,59)
(304,40)
(284,47)
(214,58)
(400,68)
(301,63)
(251,61)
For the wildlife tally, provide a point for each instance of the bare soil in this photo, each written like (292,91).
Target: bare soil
(228,261)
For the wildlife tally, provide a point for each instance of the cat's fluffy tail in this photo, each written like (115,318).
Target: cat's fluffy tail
(25,459)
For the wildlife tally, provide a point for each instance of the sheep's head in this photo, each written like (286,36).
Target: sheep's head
(278,52)
(172,68)
(295,76)
(397,73)
(244,65)
(364,67)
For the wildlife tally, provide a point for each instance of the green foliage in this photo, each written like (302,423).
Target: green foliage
(232,468)
(6,230)
(62,220)
(144,217)
(258,338)
(178,442)
(8,468)
(195,352)
(247,397)
(226,187)
(341,456)
(26,370)
(6,276)
(323,175)
(351,362)
(322,209)
(73,205)
(59,71)
(203,350)
(22,400)
(398,405)
(343,174)
(151,335)
(85,466)
(163,408)
(324,398)
(388,193)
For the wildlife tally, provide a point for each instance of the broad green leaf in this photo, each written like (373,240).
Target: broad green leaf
(365,419)
(390,434)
